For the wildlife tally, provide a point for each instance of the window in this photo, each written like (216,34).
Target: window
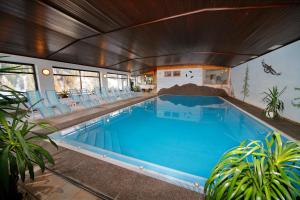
(115,81)
(176,73)
(219,76)
(21,78)
(65,79)
(168,73)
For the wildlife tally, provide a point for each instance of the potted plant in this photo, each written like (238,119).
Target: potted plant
(64,94)
(274,104)
(18,149)
(257,170)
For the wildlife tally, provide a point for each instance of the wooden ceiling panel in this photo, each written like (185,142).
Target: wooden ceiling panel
(84,53)
(48,17)
(137,34)
(243,32)
(85,12)
(28,39)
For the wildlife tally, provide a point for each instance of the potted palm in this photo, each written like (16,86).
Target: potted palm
(274,104)
(257,170)
(18,149)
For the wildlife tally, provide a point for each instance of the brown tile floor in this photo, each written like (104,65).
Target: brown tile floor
(117,182)
(114,181)
(48,186)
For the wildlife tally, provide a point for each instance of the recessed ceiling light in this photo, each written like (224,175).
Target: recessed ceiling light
(275,46)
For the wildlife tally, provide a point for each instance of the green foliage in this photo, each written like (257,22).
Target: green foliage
(297,103)
(64,94)
(19,151)
(136,88)
(245,90)
(257,170)
(274,104)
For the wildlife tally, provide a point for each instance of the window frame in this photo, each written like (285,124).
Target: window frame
(117,77)
(21,63)
(80,76)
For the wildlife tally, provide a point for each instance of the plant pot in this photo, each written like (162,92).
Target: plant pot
(270,115)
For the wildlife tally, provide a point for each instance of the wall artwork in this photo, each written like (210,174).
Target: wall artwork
(190,74)
(269,69)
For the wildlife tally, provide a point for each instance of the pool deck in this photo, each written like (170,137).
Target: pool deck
(92,178)
(288,127)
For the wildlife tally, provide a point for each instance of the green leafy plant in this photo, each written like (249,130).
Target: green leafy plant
(136,88)
(257,170)
(245,90)
(274,104)
(296,101)
(64,94)
(19,151)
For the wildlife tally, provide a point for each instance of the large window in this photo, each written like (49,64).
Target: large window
(21,77)
(65,79)
(219,76)
(117,81)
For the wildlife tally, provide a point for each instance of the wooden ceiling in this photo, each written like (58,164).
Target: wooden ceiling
(135,35)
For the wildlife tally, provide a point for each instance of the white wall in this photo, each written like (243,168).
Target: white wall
(47,82)
(167,82)
(285,60)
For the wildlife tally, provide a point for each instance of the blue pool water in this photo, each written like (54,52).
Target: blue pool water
(179,136)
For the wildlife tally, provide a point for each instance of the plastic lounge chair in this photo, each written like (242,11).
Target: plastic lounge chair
(53,100)
(100,95)
(86,99)
(122,94)
(111,96)
(131,93)
(126,93)
(118,94)
(36,102)
(75,96)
